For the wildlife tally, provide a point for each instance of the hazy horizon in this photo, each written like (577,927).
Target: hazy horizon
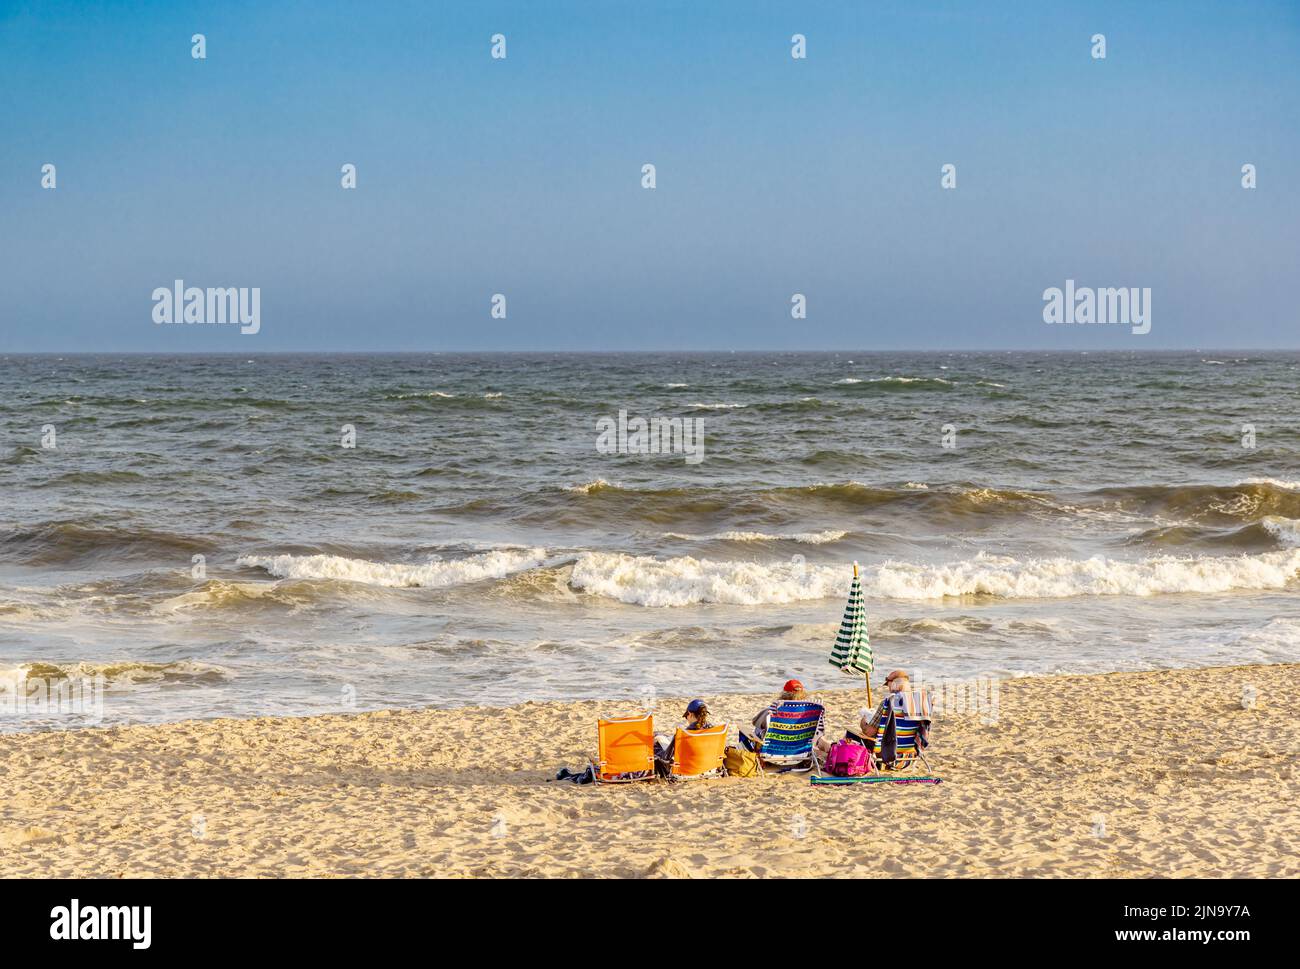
(630,351)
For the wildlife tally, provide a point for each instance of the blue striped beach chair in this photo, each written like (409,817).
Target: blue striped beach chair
(904,731)
(790,742)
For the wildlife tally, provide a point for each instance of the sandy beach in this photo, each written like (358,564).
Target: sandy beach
(1150,774)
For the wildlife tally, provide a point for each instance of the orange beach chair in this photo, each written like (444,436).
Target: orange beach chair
(625,749)
(699,753)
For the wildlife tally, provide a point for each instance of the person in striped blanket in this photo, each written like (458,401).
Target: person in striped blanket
(896,683)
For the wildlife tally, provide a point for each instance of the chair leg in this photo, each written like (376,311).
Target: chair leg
(913,763)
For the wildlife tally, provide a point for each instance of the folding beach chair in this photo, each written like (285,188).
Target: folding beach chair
(790,740)
(699,753)
(904,731)
(625,749)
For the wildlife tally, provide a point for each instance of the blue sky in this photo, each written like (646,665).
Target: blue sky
(775,176)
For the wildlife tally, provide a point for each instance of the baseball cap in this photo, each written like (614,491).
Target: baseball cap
(792,685)
(695,706)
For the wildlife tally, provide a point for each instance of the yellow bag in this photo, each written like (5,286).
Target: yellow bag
(740,763)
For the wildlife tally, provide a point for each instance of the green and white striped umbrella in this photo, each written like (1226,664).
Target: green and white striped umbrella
(852,652)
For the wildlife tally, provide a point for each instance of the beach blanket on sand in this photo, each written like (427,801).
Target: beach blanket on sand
(877,779)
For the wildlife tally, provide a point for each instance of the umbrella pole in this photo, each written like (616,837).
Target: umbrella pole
(867,675)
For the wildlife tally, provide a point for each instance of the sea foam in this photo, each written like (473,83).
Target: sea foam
(1285,530)
(1008,578)
(1274,482)
(434,574)
(684,580)
(803,538)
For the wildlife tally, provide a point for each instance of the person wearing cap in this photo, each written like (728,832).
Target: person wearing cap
(793,690)
(697,718)
(897,681)
(869,722)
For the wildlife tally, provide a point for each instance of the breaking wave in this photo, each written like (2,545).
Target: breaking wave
(1048,578)
(803,538)
(434,574)
(645,581)
(118,674)
(216,594)
(1270,532)
(926,505)
(1282,483)
(896,384)
(682,581)
(1223,504)
(1285,530)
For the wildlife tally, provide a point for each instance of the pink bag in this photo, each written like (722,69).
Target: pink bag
(847,759)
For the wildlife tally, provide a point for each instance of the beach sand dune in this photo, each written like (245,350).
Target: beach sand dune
(1153,774)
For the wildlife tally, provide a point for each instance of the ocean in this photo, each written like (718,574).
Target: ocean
(277,535)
